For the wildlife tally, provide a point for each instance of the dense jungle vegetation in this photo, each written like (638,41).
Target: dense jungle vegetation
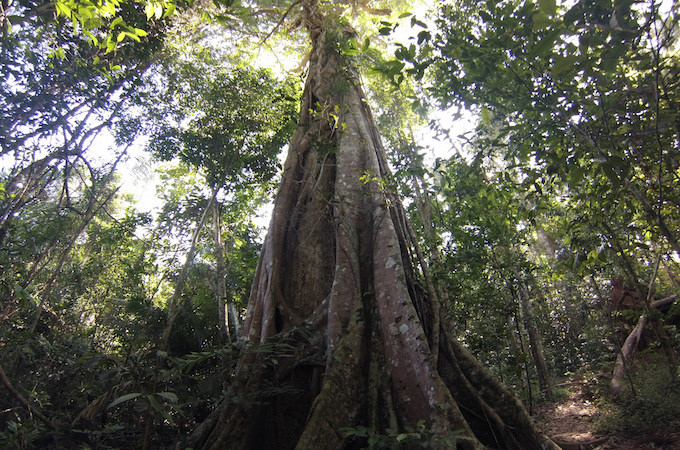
(531,171)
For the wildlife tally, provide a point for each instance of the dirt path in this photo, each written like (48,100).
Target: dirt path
(571,423)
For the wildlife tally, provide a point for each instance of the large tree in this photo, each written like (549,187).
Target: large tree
(345,343)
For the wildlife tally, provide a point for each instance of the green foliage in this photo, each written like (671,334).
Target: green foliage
(560,394)
(48,95)
(159,403)
(51,110)
(405,63)
(570,174)
(105,24)
(580,114)
(411,437)
(20,433)
(653,407)
(229,122)
(569,178)
(187,363)
(183,193)
(92,17)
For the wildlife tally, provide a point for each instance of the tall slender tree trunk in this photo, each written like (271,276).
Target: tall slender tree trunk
(521,332)
(341,331)
(514,347)
(535,344)
(234,318)
(173,305)
(221,288)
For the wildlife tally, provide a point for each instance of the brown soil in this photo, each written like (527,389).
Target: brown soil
(571,423)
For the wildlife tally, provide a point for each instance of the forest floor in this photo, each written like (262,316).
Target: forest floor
(572,422)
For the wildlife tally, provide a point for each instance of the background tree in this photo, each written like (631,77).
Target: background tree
(592,88)
(230,124)
(591,124)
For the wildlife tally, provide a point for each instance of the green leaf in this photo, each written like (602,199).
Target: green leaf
(62,9)
(485,116)
(158,11)
(116,21)
(417,22)
(563,64)
(573,14)
(541,21)
(22,293)
(402,437)
(155,404)
(548,7)
(424,36)
(132,36)
(169,396)
(109,8)
(611,56)
(352,48)
(170,10)
(93,39)
(123,398)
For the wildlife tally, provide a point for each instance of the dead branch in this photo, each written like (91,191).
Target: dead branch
(631,343)
(23,400)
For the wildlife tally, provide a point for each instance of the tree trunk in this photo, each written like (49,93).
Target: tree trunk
(234,318)
(625,356)
(173,304)
(521,333)
(516,350)
(221,288)
(535,340)
(340,330)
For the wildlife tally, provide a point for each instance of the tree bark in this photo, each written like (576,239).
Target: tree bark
(340,331)
(234,318)
(521,333)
